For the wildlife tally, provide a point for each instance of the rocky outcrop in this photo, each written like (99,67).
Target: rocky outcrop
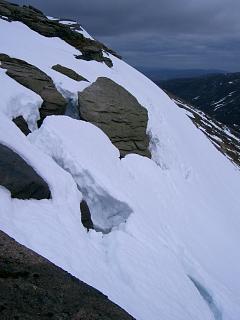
(21,123)
(94,53)
(86,215)
(32,288)
(38,22)
(20,178)
(117,112)
(68,72)
(36,80)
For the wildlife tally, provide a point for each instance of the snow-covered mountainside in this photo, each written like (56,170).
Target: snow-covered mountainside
(224,138)
(217,95)
(96,140)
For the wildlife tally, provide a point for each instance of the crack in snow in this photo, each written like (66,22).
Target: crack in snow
(208,298)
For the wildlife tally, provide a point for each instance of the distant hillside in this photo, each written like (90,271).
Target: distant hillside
(167,74)
(217,95)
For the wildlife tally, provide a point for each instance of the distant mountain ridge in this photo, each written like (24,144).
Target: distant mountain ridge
(217,95)
(159,74)
(226,140)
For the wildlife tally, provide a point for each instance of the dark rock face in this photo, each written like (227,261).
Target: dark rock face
(118,113)
(86,216)
(38,22)
(22,125)
(32,288)
(68,73)
(19,178)
(36,80)
(93,53)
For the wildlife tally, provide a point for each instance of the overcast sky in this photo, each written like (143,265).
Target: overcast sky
(183,34)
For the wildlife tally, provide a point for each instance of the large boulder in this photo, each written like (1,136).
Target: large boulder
(32,288)
(20,178)
(118,113)
(36,80)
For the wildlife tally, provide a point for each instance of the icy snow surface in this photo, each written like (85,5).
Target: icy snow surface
(183,209)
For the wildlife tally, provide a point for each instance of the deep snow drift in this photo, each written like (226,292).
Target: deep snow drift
(172,252)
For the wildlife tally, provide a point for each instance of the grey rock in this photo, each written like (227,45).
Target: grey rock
(4,11)
(32,288)
(86,215)
(22,125)
(20,178)
(69,73)
(118,113)
(35,9)
(92,52)
(36,80)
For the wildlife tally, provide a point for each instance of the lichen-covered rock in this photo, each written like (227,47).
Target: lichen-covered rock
(118,113)
(20,178)
(68,72)
(36,80)
(32,288)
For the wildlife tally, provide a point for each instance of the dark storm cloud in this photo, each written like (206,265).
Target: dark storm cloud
(162,33)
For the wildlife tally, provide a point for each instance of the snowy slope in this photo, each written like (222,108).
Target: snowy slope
(173,250)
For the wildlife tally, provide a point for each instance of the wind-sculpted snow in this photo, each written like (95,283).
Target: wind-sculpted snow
(95,178)
(184,203)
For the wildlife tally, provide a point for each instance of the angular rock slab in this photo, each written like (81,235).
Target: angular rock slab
(118,114)
(36,80)
(20,178)
(32,288)
(68,72)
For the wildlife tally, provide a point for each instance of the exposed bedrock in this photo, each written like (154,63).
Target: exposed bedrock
(36,80)
(68,72)
(32,288)
(20,178)
(86,215)
(90,49)
(118,113)
(21,123)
